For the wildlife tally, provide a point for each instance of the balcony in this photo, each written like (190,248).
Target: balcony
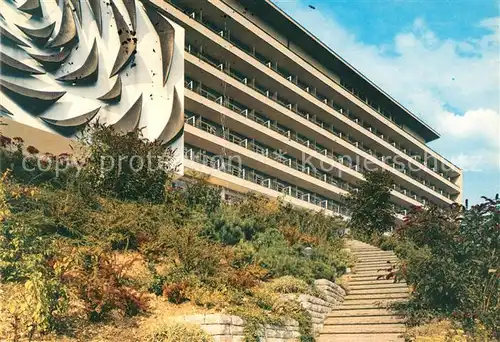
(264,121)
(268,152)
(253,53)
(327,126)
(256,177)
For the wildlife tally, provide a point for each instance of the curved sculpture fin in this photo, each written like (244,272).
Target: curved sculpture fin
(115,93)
(53,61)
(175,124)
(32,100)
(17,66)
(95,5)
(130,6)
(130,120)
(128,42)
(38,35)
(166,34)
(73,122)
(4,33)
(89,70)
(32,7)
(77,6)
(52,96)
(67,30)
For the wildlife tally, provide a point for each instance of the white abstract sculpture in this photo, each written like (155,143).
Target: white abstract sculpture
(65,63)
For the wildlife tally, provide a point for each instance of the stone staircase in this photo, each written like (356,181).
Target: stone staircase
(363,316)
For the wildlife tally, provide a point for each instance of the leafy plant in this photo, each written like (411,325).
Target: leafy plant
(179,332)
(125,166)
(450,257)
(370,206)
(100,282)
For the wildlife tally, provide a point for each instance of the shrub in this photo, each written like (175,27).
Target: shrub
(274,254)
(125,166)
(100,282)
(192,253)
(179,332)
(177,292)
(38,305)
(228,227)
(370,205)
(198,193)
(450,256)
(288,284)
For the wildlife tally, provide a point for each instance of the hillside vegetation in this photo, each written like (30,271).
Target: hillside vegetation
(450,257)
(106,254)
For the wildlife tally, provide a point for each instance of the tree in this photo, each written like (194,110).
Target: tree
(125,166)
(370,206)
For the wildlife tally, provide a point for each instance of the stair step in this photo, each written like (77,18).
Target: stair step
(374,274)
(381,303)
(360,312)
(360,307)
(384,264)
(375,291)
(375,285)
(361,338)
(363,320)
(375,270)
(350,297)
(358,282)
(371,253)
(363,260)
(363,328)
(375,263)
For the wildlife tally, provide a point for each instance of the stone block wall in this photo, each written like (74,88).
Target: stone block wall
(227,328)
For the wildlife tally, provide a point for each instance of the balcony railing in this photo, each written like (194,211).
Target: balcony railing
(249,174)
(324,125)
(257,147)
(251,51)
(344,160)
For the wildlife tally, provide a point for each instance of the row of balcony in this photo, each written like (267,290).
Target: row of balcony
(223,164)
(329,127)
(278,155)
(251,51)
(268,152)
(264,121)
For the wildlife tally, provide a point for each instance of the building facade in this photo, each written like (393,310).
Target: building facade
(269,108)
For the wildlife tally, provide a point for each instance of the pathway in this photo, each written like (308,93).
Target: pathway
(363,316)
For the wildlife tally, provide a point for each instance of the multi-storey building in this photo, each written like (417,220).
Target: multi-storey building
(269,108)
(304,122)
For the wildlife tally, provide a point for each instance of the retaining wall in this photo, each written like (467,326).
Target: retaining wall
(227,328)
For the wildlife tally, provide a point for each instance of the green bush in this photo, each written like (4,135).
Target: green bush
(370,205)
(179,332)
(288,284)
(274,254)
(451,258)
(125,166)
(195,246)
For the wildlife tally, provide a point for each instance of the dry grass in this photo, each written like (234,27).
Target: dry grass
(117,328)
(439,331)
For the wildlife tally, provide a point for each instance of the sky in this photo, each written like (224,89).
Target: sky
(439,58)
